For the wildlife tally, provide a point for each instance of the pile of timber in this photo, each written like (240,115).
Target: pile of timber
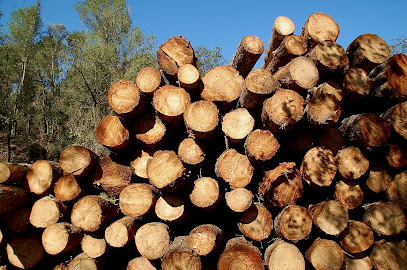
(300,164)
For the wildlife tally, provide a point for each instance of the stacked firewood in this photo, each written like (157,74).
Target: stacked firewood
(300,164)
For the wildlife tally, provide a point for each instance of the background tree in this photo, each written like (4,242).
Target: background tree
(208,59)
(398,45)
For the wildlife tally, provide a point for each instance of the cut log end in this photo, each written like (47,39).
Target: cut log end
(67,188)
(204,239)
(61,237)
(171,101)
(385,218)
(256,222)
(93,246)
(261,145)
(247,54)
(325,254)
(234,168)
(201,118)
(239,199)
(140,263)
(123,97)
(331,217)
(205,193)
(318,166)
(170,207)
(352,163)
(111,132)
(164,169)
(150,130)
(358,237)
(120,232)
(293,223)
(349,194)
(319,27)
(237,124)
(283,255)
(389,255)
(191,152)
(148,80)
(136,199)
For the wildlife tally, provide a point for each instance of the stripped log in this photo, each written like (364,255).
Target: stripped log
(150,131)
(136,199)
(352,162)
(124,99)
(61,237)
(190,80)
(319,27)
(25,251)
(367,51)
(12,198)
(13,172)
(164,169)
(67,188)
(174,53)
(325,255)
(293,223)
(240,253)
(234,168)
(318,166)
(365,129)
(256,222)
(357,237)
(41,177)
(170,207)
(111,132)
(259,85)
(282,185)
(148,80)
(246,55)
(261,145)
(282,27)
(385,218)
(120,232)
(201,119)
(239,199)
(282,111)
(299,74)
(237,124)
(348,193)
(283,255)
(180,256)
(94,246)
(205,238)
(46,212)
(330,216)
(205,193)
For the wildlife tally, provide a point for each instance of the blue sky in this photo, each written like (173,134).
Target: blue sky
(224,23)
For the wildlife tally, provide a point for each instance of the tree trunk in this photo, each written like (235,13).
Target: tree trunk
(283,27)
(136,199)
(42,176)
(234,168)
(259,85)
(239,199)
(291,47)
(325,255)
(256,222)
(46,212)
(246,55)
(201,119)
(12,198)
(367,51)
(148,80)
(205,194)
(293,223)
(319,27)
(385,218)
(318,167)
(283,255)
(61,237)
(365,129)
(240,253)
(120,232)
(205,238)
(330,216)
(190,80)
(282,111)
(180,256)
(347,167)
(77,160)
(111,132)
(13,172)
(164,169)
(261,145)
(358,237)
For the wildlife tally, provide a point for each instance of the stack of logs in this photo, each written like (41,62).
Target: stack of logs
(300,164)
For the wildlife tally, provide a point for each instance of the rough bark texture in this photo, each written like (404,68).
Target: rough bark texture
(246,55)
(13,172)
(12,198)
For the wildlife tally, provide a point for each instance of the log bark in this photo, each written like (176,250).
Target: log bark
(239,199)
(41,177)
(124,99)
(246,55)
(67,188)
(256,222)
(234,168)
(332,139)
(190,80)
(12,198)
(77,160)
(92,212)
(240,253)
(258,86)
(223,85)
(283,255)
(94,246)
(111,133)
(397,190)
(180,256)
(282,111)
(136,199)
(173,54)
(323,110)
(170,103)
(330,59)
(385,218)
(367,51)
(293,223)
(356,84)
(378,180)
(148,80)
(325,254)
(164,169)
(330,216)
(396,116)
(389,255)
(120,232)
(206,193)
(170,207)
(318,167)
(13,172)
(46,212)
(25,251)
(352,163)
(191,152)
(261,145)
(282,27)
(115,177)
(139,164)
(205,238)
(365,129)
(201,119)
(319,27)
(358,237)
(389,79)
(237,124)
(299,74)
(61,237)
(348,193)
(150,131)
(140,263)
(19,220)
(282,185)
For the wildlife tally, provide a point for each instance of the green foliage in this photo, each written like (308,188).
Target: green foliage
(399,45)
(208,59)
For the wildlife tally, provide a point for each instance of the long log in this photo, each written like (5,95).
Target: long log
(246,55)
